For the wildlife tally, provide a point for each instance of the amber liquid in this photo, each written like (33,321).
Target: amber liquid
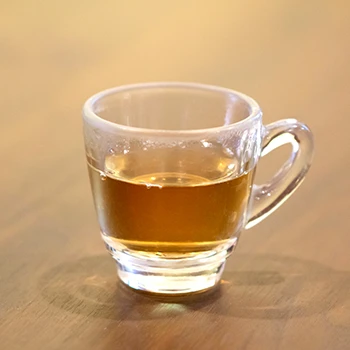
(193,206)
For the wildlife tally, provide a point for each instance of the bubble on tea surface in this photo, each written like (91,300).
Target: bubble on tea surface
(228,152)
(206,144)
(103,176)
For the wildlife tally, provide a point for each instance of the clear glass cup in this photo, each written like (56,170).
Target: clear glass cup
(172,168)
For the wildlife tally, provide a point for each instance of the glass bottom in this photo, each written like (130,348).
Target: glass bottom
(170,273)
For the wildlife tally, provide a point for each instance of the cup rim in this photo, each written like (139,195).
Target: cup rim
(99,122)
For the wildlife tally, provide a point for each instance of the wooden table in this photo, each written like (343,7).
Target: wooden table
(288,284)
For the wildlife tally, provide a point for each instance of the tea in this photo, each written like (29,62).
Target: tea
(170,211)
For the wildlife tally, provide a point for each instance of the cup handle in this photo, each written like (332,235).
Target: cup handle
(266,198)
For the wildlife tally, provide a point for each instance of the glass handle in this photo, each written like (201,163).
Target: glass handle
(266,198)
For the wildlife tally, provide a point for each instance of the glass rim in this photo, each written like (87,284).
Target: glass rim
(100,122)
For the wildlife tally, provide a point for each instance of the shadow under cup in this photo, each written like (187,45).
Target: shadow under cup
(171,167)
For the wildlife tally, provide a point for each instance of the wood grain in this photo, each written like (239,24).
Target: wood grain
(287,285)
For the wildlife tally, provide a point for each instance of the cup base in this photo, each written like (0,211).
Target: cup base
(170,273)
(168,281)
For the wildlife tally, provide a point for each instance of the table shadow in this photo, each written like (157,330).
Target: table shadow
(253,287)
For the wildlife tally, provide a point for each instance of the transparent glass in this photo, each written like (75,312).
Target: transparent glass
(172,167)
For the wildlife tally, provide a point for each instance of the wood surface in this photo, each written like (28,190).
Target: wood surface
(287,286)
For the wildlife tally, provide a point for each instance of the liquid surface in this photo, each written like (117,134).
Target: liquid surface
(169,210)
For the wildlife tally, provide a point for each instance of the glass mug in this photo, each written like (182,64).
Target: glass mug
(172,168)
